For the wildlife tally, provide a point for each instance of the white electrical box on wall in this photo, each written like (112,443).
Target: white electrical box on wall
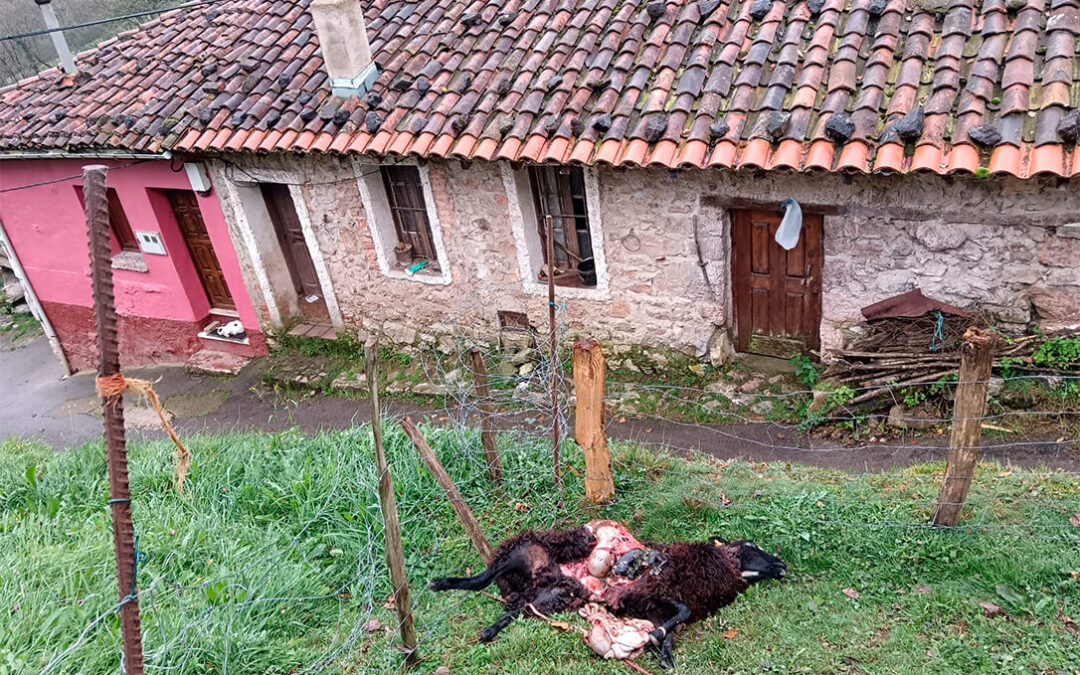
(150,242)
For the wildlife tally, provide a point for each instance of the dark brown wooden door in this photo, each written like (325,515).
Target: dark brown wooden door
(291,237)
(777,293)
(186,209)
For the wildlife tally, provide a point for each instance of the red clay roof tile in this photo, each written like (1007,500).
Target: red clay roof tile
(692,154)
(963,158)
(854,157)
(582,153)
(1048,159)
(927,158)
(510,149)
(787,156)
(1005,159)
(723,154)
(889,158)
(820,156)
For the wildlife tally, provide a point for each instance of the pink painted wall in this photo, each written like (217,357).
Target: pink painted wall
(47,228)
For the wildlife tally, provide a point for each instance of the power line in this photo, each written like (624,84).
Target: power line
(65,178)
(98,22)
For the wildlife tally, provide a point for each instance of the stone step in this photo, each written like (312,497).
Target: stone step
(315,330)
(226,346)
(213,342)
(216,362)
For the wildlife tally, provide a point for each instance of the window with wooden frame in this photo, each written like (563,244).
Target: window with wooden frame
(123,236)
(405,194)
(559,192)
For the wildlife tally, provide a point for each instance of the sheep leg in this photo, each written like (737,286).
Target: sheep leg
(489,633)
(664,635)
(667,659)
(484,579)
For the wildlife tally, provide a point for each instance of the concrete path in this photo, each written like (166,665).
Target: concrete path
(38,402)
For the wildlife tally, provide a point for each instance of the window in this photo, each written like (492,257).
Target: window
(559,192)
(571,196)
(405,195)
(400,216)
(123,236)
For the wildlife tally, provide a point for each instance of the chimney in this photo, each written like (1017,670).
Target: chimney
(344,43)
(58,39)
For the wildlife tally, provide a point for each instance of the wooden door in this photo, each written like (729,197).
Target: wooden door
(777,293)
(186,209)
(291,237)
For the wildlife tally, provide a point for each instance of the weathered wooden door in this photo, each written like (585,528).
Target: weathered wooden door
(291,237)
(777,293)
(186,209)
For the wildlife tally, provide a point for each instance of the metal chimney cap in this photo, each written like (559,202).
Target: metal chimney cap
(42,2)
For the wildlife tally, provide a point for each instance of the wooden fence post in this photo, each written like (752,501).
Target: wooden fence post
(487,433)
(976,360)
(589,374)
(395,553)
(464,513)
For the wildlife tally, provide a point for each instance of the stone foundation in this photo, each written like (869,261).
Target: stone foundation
(143,341)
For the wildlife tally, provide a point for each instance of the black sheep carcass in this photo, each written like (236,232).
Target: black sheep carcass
(601,562)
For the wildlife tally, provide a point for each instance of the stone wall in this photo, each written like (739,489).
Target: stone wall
(990,243)
(1013,272)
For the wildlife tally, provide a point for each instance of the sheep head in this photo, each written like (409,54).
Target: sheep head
(754,564)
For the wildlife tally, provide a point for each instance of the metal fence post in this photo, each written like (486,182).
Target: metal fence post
(97,219)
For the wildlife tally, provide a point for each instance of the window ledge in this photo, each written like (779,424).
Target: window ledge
(440,278)
(130,261)
(571,292)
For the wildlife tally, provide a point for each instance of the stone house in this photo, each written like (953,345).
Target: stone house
(390,166)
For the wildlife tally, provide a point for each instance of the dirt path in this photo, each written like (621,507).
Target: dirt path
(40,403)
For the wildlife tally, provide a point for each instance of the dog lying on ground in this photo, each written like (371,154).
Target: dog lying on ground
(665,585)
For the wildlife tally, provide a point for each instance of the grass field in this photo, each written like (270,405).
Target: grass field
(272,561)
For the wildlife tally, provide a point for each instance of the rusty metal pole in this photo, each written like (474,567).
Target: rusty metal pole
(97,219)
(550,223)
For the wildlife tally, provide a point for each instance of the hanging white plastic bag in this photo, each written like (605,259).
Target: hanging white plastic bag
(791,226)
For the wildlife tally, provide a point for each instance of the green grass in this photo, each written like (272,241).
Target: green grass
(273,560)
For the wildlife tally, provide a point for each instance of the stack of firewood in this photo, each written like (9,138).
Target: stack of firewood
(904,352)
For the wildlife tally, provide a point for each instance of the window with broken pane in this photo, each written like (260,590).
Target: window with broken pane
(559,192)
(405,195)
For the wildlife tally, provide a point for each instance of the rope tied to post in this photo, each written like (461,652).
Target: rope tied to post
(112,387)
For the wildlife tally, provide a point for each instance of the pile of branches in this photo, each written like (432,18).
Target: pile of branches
(910,351)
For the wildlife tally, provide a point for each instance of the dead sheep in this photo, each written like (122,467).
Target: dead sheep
(668,585)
